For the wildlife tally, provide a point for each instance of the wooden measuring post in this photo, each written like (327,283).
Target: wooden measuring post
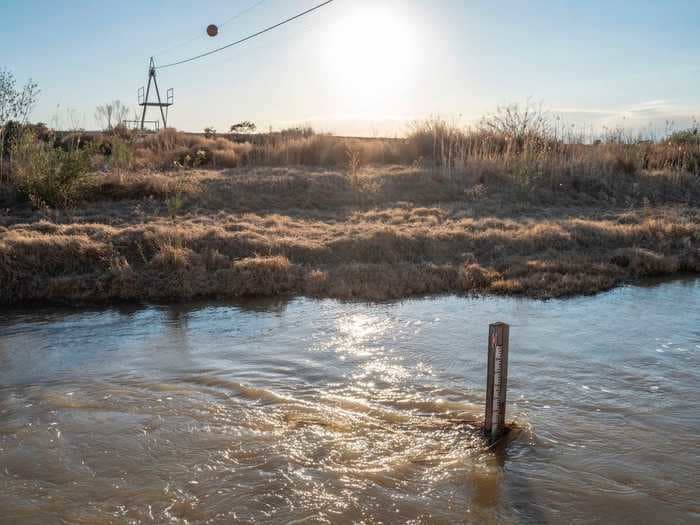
(496,381)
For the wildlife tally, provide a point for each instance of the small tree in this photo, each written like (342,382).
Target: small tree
(209,132)
(111,114)
(243,127)
(120,112)
(517,123)
(103,114)
(687,136)
(16,105)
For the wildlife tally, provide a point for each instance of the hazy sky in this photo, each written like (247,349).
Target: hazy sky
(362,66)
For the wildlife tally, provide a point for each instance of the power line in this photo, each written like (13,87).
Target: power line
(201,37)
(246,38)
(240,14)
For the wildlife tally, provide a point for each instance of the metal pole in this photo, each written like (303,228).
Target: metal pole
(151,72)
(160,102)
(496,380)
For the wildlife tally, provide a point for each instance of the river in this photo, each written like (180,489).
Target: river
(323,411)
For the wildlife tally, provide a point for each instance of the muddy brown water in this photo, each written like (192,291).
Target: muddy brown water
(308,411)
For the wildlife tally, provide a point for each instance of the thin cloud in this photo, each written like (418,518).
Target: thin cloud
(656,113)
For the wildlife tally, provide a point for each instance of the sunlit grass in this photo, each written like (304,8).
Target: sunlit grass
(510,207)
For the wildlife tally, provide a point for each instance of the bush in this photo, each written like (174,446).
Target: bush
(79,140)
(10,132)
(49,176)
(690,136)
(121,154)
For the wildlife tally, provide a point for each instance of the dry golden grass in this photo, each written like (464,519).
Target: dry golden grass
(432,143)
(171,148)
(132,250)
(137,185)
(443,210)
(283,188)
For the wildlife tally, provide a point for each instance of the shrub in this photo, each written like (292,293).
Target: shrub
(46,175)
(121,154)
(10,133)
(298,132)
(243,127)
(521,127)
(175,202)
(686,136)
(79,140)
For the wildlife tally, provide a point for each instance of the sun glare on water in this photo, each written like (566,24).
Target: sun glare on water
(370,57)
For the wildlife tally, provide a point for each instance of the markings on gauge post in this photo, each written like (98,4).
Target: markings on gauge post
(496,381)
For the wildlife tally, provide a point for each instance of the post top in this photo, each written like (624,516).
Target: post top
(499,323)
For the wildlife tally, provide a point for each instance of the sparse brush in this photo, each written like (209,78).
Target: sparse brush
(121,156)
(353,157)
(522,137)
(176,200)
(49,176)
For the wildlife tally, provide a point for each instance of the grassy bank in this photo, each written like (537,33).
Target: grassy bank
(382,231)
(517,205)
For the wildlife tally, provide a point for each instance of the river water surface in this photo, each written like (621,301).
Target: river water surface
(319,411)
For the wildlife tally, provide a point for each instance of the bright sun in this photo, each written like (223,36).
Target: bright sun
(370,56)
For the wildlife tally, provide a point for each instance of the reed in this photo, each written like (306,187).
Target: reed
(511,140)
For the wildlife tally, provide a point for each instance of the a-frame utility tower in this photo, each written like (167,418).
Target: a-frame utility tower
(144,102)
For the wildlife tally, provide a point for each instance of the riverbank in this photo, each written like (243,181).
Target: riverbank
(385,232)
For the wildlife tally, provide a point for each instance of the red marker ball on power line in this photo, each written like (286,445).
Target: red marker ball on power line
(212,30)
